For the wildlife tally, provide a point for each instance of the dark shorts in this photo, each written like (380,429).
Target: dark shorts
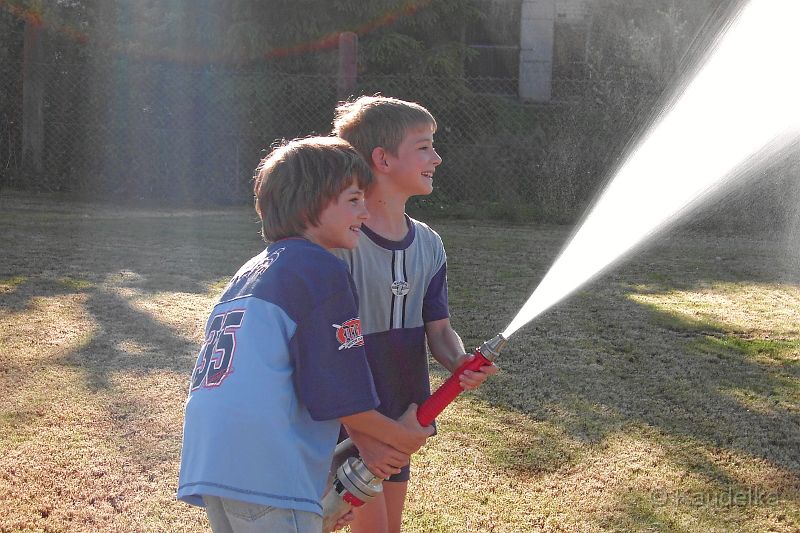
(404,475)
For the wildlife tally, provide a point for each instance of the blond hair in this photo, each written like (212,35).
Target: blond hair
(372,121)
(299,178)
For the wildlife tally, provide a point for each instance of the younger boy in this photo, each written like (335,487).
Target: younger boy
(283,362)
(400,272)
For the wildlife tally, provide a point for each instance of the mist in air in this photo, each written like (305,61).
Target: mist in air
(741,108)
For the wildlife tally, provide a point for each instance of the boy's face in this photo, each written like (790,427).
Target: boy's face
(340,222)
(412,168)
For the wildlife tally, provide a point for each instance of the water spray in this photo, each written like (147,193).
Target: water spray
(740,108)
(702,140)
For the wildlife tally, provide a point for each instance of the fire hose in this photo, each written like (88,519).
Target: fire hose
(353,484)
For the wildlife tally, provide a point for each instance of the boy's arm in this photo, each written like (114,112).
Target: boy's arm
(404,434)
(381,459)
(447,348)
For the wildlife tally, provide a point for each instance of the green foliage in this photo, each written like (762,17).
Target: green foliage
(432,40)
(447,59)
(389,51)
(648,37)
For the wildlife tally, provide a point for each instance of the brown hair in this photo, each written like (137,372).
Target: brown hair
(372,121)
(299,178)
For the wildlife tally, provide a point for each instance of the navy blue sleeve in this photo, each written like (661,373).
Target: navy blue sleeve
(332,375)
(435,305)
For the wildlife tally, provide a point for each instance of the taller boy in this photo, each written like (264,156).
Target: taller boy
(400,271)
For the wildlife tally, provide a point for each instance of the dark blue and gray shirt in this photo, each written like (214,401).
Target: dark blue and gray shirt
(401,286)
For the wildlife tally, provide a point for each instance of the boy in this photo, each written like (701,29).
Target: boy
(400,273)
(283,362)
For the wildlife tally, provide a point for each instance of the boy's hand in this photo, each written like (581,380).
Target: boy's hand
(471,380)
(381,459)
(414,436)
(343,521)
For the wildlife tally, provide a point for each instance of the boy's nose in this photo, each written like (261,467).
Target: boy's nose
(438,159)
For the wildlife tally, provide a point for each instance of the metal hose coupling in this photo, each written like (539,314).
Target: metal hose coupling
(353,486)
(491,348)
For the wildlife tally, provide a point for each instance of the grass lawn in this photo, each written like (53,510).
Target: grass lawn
(665,396)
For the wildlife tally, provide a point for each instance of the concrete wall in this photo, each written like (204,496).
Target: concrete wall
(537,23)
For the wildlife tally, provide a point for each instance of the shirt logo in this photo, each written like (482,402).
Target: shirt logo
(273,256)
(400,288)
(349,333)
(265,264)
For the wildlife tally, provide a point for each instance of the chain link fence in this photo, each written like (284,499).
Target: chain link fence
(181,134)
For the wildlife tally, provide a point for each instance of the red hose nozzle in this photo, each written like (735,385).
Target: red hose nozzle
(353,482)
(447,392)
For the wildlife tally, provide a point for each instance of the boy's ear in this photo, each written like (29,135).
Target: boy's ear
(379,158)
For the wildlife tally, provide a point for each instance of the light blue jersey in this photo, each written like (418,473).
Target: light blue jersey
(283,358)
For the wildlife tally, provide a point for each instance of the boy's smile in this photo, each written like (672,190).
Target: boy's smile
(340,222)
(413,167)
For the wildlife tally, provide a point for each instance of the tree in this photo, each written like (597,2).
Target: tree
(644,38)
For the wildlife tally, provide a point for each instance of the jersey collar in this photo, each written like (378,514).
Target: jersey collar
(392,245)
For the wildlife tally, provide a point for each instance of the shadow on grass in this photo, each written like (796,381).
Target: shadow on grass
(586,373)
(101,257)
(159,347)
(81,247)
(599,363)
(17,294)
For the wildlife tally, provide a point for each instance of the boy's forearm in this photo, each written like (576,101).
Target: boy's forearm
(375,425)
(445,344)
(447,348)
(362,440)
